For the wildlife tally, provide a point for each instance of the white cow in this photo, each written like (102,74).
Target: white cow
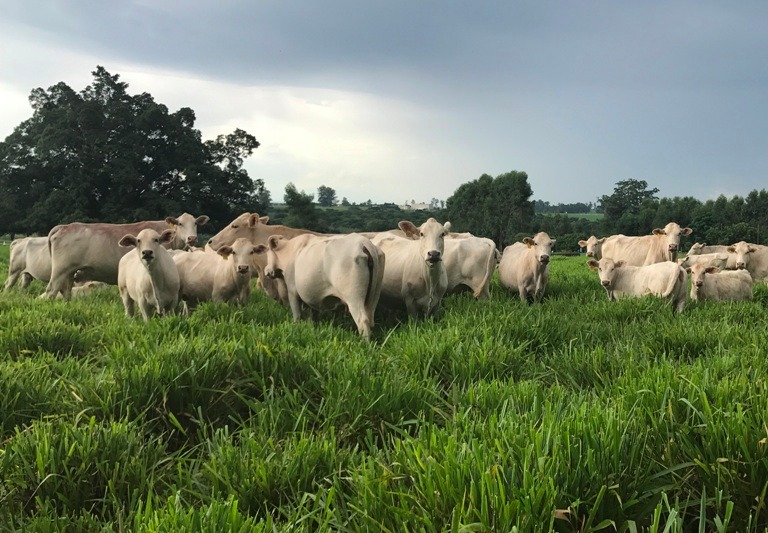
(93,248)
(594,246)
(751,257)
(661,246)
(469,264)
(710,283)
(699,248)
(715,260)
(327,272)
(147,274)
(415,273)
(524,266)
(254,228)
(666,279)
(222,276)
(30,259)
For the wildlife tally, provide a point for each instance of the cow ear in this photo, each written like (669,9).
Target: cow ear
(260,248)
(264,219)
(447,227)
(582,243)
(528,241)
(712,270)
(273,241)
(659,232)
(731,250)
(601,241)
(686,231)
(410,230)
(752,249)
(620,263)
(172,221)
(688,270)
(253,220)
(202,220)
(127,241)
(167,236)
(592,264)
(553,242)
(224,251)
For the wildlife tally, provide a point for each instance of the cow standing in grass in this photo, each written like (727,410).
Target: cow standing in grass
(524,267)
(666,279)
(147,275)
(710,283)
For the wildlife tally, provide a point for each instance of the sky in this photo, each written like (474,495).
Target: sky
(395,101)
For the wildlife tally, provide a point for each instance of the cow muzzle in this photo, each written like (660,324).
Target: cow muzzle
(605,283)
(192,240)
(243,269)
(590,254)
(147,255)
(741,266)
(699,283)
(433,256)
(544,259)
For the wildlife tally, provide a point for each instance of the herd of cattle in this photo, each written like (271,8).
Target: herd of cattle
(156,265)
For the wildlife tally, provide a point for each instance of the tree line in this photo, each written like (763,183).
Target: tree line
(103,154)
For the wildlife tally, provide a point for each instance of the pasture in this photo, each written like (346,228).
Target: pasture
(577,414)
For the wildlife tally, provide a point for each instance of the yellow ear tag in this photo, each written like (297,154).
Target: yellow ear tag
(224,256)
(170,224)
(528,244)
(591,268)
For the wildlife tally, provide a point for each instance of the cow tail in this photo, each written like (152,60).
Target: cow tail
(375,275)
(679,277)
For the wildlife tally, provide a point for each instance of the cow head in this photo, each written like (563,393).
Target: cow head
(147,243)
(607,270)
(246,226)
(698,272)
(431,237)
(274,268)
(186,228)
(240,254)
(742,250)
(594,246)
(541,245)
(696,248)
(671,235)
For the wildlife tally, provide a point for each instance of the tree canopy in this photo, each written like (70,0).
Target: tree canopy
(105,155)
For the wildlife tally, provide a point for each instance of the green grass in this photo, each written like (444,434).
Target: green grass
(575,414)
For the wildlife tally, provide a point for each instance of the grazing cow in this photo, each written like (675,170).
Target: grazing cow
(666,279)
(223,276)
(415,274)
(716,260)
(751,257)
(524,266)
(594,246)
(327,272)
(254,228)
(661,246)
(710,283)
(30,259)
(469,264)
(93,249)
(147,275)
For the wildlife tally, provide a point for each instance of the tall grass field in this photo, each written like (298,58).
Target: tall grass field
(576,414)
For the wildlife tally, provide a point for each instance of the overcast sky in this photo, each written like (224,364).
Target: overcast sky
(406,100)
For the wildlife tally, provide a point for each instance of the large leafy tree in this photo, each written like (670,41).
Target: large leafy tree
(104,154)
(498,208)
(627,210)
(301,209)
(326,196)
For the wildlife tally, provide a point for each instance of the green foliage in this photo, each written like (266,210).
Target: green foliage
(104,154)
(622,208)
(301,209)
(576,414)
(497,208)
(326,196)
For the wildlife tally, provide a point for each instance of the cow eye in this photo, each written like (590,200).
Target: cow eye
(234,226)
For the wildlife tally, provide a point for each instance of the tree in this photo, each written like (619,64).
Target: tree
(627,198)
(345,202)
(301,208)
(326,196)
(104,154)
(498,208)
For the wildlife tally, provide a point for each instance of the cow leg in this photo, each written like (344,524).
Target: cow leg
(26,279)
(128,303)
(11,281)
(295,303)
(60,283)
(147,309)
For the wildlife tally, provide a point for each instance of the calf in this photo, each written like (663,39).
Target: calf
(524,267)
(328,272)
(414,273)
(666,279)
(221,276)
(148,275)
(709,283)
